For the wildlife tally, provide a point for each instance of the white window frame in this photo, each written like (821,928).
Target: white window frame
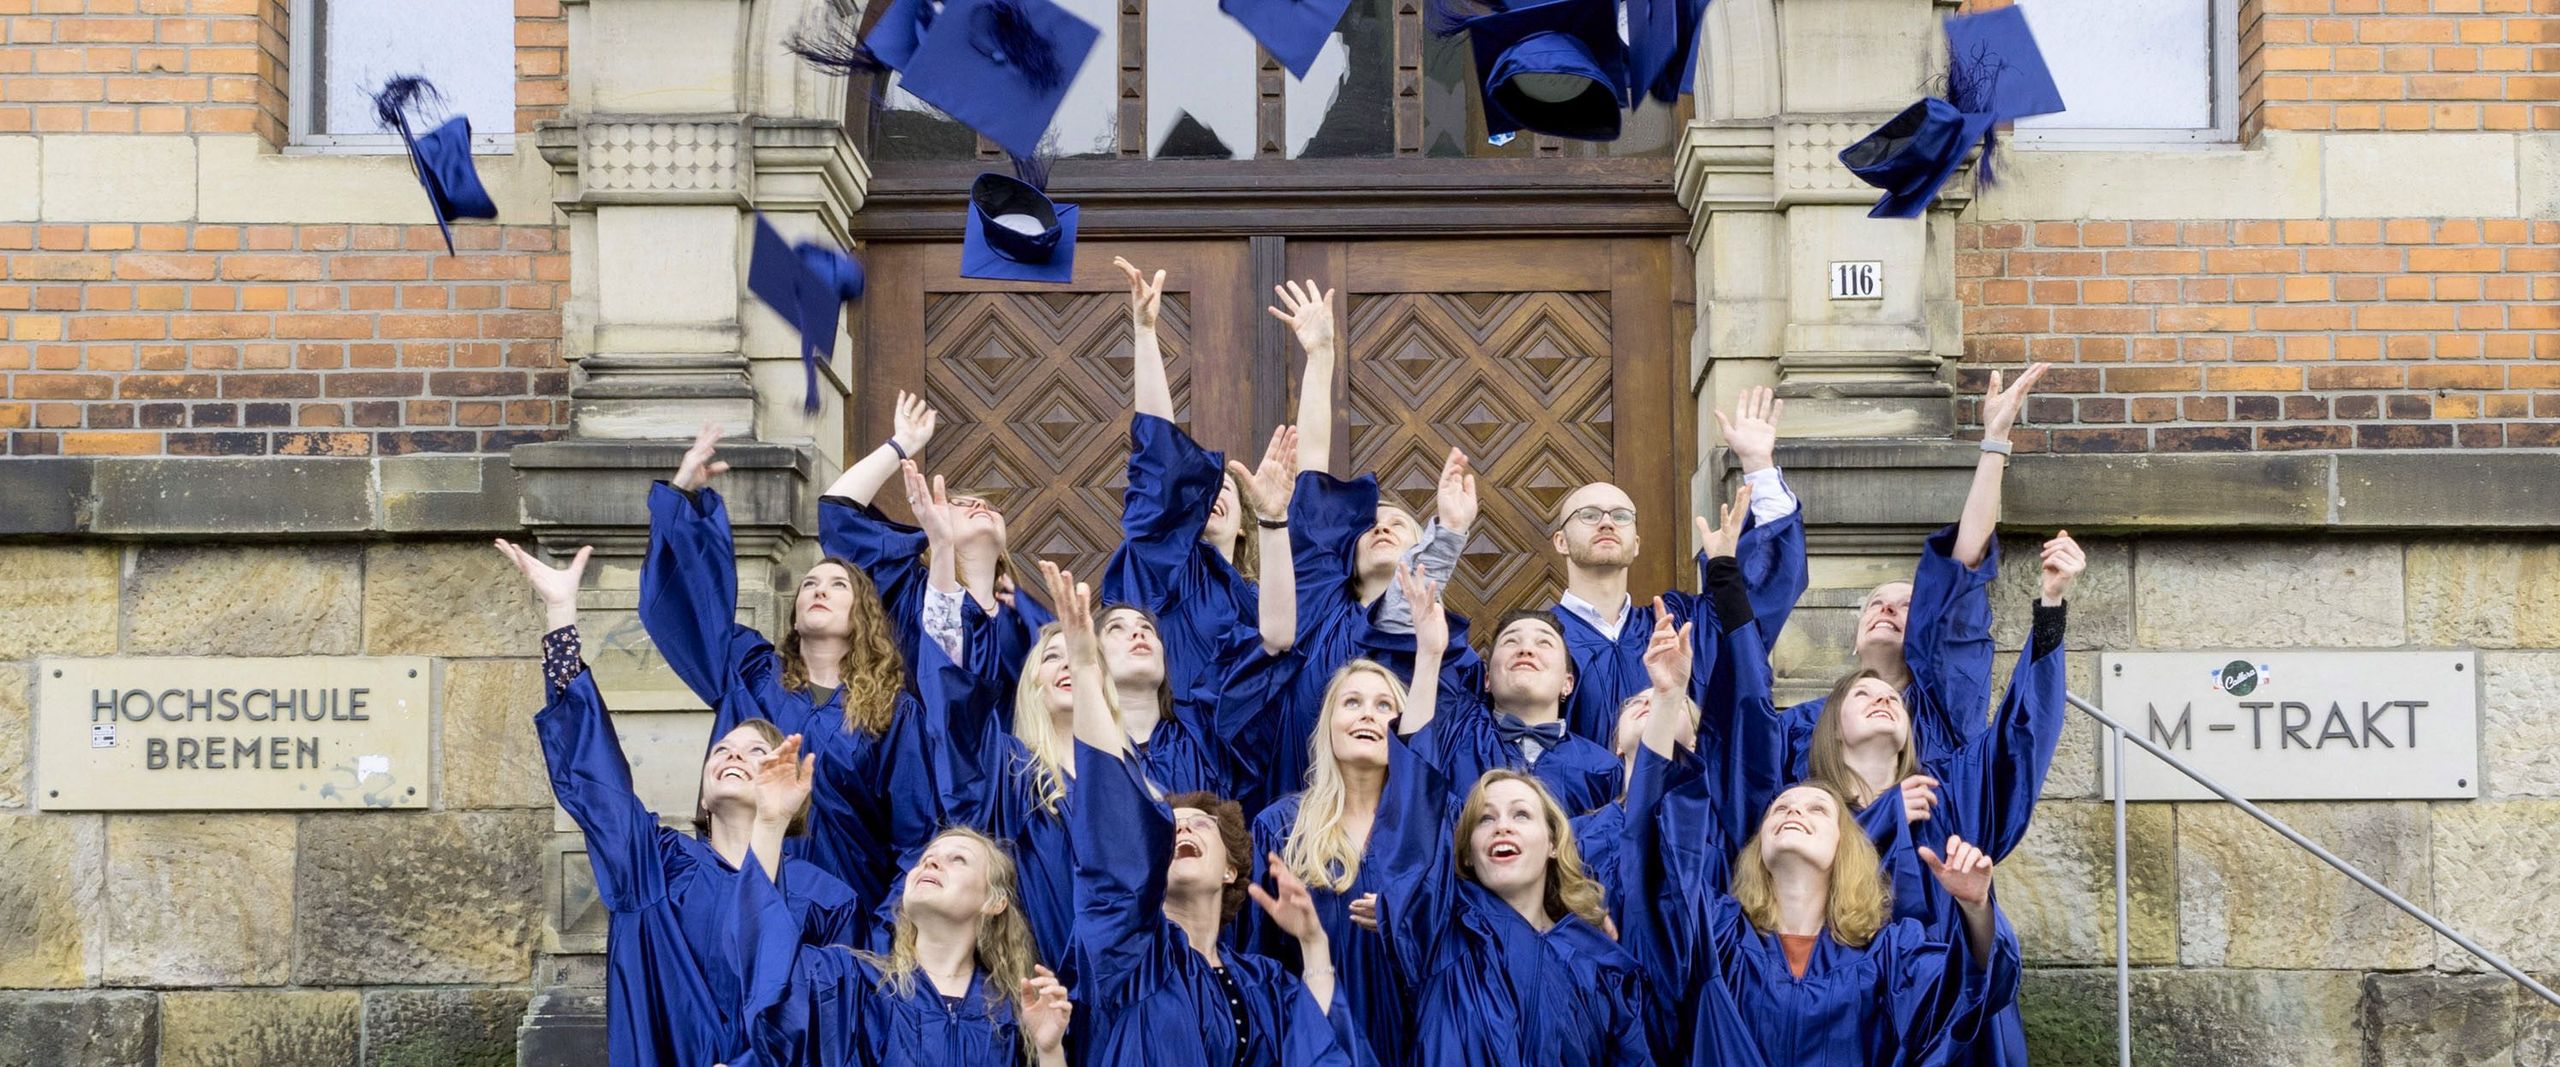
(2223,38)
(304,95)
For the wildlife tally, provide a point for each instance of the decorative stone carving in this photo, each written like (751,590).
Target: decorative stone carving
(637,159)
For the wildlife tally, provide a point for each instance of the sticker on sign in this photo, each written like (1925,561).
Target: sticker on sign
(2296,725)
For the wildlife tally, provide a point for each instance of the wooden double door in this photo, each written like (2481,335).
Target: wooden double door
(1551,361)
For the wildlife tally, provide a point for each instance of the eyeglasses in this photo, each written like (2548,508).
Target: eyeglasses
(1591,516)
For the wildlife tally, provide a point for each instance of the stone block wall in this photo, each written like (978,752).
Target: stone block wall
(280,938)
(175,281)
(2245,949)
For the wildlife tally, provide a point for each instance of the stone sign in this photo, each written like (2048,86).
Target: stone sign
(2296,725)
(202,734)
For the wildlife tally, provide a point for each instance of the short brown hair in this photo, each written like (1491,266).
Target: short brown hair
(1232,834)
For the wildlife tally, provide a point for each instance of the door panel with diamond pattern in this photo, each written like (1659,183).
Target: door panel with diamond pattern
(1033,382)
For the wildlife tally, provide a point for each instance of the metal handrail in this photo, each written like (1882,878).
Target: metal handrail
(2124,954)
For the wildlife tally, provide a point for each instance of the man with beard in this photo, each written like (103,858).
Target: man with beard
(1595,532)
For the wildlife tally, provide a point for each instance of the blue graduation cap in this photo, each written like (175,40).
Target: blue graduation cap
(1001,66)
(1556,68)
(1995,74)
(1016,233)
(442,157)
(1293,30)
(808,286)
(1662,35)
(831,41)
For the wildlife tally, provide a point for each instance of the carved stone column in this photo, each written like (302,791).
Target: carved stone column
(686,118)
(1783,86)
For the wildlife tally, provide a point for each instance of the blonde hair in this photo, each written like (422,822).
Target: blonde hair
(1829,763)
(873,671)
(1319,851)
(1050,752)
(1859,898)
(1570,889)
(1246,554)
(773,737)
(1004,947)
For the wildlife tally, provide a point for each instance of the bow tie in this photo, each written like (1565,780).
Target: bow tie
(1513,731)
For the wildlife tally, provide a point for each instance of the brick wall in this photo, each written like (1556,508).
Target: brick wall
(196,336)
(2231,336)
(2399,65)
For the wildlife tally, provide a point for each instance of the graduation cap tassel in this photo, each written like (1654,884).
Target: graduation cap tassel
(1033,169)
(391,105)
(809,369)
(1013,33)
(830,42)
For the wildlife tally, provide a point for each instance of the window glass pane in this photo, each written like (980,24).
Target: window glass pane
(906,129)
(2120,66)
(1344,106)
(1200,74)
(1453,115)
(466,47)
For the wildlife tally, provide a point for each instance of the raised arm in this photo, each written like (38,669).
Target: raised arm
(1436,553)
(1668,659)
(2000,409)
(1293,910)
(1999,775)
(689,579)
(1966,875)
(1771,551)
(1309,313)
(782,781)
(1096,725)
(1430,639)
(914,426)
(1269,489)
(1154,392)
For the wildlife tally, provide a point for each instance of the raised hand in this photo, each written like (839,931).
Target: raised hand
(1291,908)
(2063,562)
(2000,407)
(1667,657)
(1430,617)
(1145,297)
(1045,1009)
(1919,798)
(1725,537)
(1309,313)
(1752,430)
(1457,495)
(1269,487)
(556,587)
(783,780)
(700,461)
(932,504)
(1966,871)
(1073,602)
(915,423)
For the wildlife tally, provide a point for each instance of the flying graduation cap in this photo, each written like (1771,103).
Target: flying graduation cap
(442,157)
(1661,35)
(1556,67)
(1015,232)
(1995,74)
(1294,31)
(808,285)
(1001,66)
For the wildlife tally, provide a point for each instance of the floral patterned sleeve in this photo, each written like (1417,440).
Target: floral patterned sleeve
(562,659)
(942,621)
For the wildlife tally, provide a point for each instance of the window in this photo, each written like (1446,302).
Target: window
(343,50)
(2160,72)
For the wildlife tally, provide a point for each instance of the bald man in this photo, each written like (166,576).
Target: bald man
(1594,529)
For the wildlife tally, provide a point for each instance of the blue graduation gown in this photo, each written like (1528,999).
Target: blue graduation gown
(892,554)
(873,807)
(1401,836)
(1607,672)
(1946,640)
(1461,744)
(986,780)
(825,1006)
(1490,989)
(1327,516)
(1987,795)
(672,987)
(1163,566)
(1722,991)
(1153,999)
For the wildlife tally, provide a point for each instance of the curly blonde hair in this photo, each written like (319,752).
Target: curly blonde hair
(1004,947)
(1570,888)
(1318,850)
(1860,901)
(872,670)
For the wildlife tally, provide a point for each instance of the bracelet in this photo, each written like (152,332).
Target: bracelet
(893,447)
(1271,524)
(1996,447)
